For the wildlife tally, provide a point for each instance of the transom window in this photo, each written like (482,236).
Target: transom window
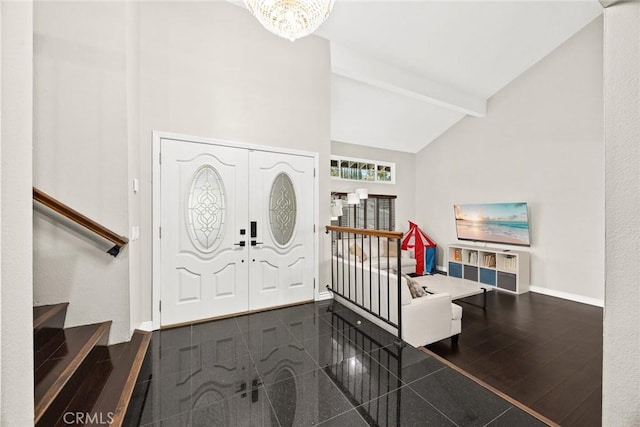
(362,170)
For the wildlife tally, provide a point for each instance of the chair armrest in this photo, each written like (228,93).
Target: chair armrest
(427,319)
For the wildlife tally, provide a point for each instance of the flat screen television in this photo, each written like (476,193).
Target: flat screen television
(506,223)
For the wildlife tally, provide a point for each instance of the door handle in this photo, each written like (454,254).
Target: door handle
(253,243)
(254,390)
(241,243)
(243,388)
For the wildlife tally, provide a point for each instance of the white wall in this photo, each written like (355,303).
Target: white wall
(541,142)
(80,157)
(211,70)
(106,76)
(621,373)
(404,188)
(16,335)
(132,42)
(1,332)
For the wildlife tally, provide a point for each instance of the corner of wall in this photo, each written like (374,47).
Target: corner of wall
(16,299)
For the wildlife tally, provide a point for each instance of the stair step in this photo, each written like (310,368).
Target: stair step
(46,315)
(117,392)
(48,321)
(102,385)
(81,386)
(45,349)
(53,373)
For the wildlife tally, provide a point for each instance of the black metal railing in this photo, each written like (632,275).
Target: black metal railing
(364,280)
(372,392)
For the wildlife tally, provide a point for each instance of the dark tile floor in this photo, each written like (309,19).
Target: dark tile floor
(304,365)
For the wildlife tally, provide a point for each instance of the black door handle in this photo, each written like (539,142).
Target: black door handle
(243,388)
(254,390)
(240,243)
(253,243)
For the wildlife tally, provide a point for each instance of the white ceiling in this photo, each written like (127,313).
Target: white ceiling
(405,72)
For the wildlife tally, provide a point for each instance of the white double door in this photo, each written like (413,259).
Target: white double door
(237,230)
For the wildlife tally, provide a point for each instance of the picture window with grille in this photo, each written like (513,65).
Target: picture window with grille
(378,212)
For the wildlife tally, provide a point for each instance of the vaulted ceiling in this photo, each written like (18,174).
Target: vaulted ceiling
(405,72)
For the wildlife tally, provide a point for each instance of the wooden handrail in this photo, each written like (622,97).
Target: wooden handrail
(365,231)
(75,216)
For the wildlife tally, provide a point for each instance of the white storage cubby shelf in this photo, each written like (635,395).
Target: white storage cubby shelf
(504,269)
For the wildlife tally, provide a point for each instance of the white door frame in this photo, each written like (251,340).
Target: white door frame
(156,207)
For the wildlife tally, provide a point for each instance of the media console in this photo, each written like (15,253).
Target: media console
(505,269)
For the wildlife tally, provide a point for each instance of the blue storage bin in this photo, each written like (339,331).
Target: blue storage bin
(455,269)
(488,277)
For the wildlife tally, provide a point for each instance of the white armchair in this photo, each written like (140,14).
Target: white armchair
(425,319)
(431,318)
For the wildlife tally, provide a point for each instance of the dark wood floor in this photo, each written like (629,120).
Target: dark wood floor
(544,352)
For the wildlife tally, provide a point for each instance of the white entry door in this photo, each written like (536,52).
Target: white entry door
(281,212)
(204,268)
(236,230)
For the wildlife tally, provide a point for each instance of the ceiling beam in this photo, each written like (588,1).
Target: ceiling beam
(608,3)
(350,64)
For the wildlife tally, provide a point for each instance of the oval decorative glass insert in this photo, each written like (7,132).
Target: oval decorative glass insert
(206,208)
(282,209)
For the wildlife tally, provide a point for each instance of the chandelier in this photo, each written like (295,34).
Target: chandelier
(290,19)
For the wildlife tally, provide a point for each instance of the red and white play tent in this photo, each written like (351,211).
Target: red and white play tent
(424,249)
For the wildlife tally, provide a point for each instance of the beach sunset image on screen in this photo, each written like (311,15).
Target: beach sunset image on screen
(493,222)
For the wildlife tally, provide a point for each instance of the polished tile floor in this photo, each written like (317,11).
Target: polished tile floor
(305,365)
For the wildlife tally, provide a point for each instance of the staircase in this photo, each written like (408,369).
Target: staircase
(79,379)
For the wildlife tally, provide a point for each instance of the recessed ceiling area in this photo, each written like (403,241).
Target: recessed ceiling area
(405,72)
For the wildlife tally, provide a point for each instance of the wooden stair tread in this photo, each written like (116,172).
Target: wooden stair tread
(81,389)
(48,335)
(45,312)
(119,387)
(103,384)
(52,375)
(44,351)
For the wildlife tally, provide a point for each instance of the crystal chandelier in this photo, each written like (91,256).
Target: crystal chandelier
(290,19)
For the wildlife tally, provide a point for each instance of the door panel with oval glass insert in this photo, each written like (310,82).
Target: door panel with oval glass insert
(204,268)
(237,230)
(281,206)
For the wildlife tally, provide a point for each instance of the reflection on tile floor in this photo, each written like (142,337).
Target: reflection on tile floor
(299,366)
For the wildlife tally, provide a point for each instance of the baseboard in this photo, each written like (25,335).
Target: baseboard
(146,326)
(323,296)
(567,295)
(442,268)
